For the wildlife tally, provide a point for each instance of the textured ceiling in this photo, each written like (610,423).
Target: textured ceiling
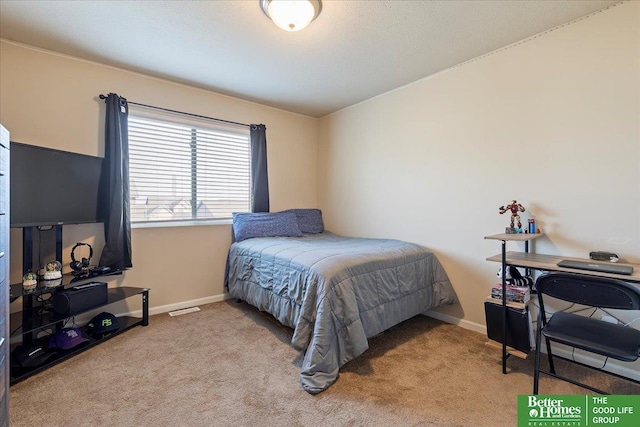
(353,51)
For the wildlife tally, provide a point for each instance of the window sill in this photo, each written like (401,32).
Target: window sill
(165,224)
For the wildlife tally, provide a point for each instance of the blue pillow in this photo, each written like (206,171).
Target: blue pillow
(309,220)
(264,224)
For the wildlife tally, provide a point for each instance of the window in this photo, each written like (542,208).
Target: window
(187,170)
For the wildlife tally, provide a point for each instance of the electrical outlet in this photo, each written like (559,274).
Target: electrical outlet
(609,319)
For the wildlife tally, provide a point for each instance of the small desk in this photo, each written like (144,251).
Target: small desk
(541,262)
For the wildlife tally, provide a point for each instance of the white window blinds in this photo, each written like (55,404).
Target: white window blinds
(181,171)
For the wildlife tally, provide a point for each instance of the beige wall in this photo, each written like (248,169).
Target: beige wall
(552,122)
(52,100)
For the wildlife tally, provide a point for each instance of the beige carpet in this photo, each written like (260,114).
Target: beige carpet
(230,365)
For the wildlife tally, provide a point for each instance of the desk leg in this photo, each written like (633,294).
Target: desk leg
(504,307)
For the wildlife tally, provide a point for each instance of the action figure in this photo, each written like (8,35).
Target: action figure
(514,207)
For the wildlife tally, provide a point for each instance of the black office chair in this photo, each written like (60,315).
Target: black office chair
(586,333)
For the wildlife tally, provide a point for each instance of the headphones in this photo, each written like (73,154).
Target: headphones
(83,264)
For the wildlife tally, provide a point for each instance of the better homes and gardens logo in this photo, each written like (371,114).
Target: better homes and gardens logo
(554,410)
(578,411)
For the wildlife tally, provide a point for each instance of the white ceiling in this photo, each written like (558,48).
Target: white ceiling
(353,51)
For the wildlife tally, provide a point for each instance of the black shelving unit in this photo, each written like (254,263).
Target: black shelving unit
(50,320)
(504,238)
(37,320)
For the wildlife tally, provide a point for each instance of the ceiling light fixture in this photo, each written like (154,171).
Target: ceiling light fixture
(291,15)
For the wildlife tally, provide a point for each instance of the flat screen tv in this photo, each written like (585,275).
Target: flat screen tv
(53,187)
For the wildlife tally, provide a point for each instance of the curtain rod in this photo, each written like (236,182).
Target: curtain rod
(182,112)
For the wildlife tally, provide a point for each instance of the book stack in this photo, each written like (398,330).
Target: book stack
(519,294)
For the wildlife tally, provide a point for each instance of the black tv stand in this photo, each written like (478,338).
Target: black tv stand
(37,320)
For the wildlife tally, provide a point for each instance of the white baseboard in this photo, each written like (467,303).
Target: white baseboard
(472,326)
(180,305)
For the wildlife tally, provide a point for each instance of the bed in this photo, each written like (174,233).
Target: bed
(333,291)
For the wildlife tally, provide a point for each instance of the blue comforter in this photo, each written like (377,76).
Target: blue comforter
(335,292)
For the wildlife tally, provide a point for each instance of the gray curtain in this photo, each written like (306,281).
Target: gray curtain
(260,180)
(115,186)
